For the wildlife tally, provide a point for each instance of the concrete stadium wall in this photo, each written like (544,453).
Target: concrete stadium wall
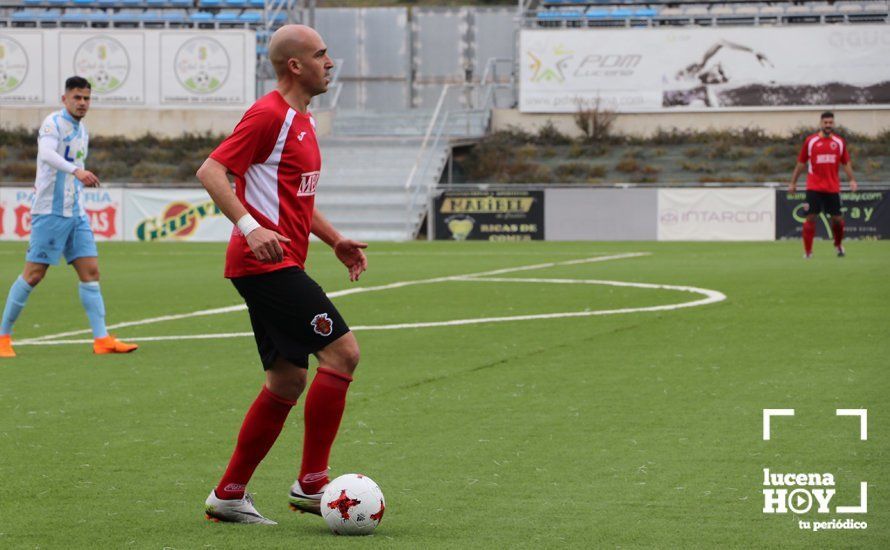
(134,123)
(866,121)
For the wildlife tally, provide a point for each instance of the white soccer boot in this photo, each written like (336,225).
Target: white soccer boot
(234,511)
(303,502)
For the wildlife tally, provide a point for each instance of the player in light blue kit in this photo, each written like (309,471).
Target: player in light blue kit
(59,224)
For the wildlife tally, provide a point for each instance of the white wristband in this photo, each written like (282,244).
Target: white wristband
(247,224)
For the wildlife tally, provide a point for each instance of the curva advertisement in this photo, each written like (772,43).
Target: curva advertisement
(704,68)
(866,215)
(129,68)
(489,215)
(102,206)
(173,215)
(716,214)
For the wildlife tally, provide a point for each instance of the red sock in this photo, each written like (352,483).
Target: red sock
(325,402)
(837,228)
(809,231)
(260,429)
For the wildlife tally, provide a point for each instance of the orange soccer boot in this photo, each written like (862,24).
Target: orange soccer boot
(6,346)
(110,344)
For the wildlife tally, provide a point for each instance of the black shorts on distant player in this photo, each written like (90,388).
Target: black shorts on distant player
(818,202)
(291,315)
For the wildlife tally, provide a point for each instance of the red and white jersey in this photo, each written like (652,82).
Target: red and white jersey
(823,155)
(274,155)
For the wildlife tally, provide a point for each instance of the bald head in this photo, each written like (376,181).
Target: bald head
(297,42)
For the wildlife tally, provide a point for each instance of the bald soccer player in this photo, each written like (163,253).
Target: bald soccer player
(274,157)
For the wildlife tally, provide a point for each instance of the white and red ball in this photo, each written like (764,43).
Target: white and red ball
(352,504)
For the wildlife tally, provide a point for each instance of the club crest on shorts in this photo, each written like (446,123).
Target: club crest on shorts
(322,324)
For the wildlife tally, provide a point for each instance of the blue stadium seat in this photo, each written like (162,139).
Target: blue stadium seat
(561,14)
(210,3)
(33,2)
(251,17)
(236,3)
(257,3)
(85,3)
(75,17)
(152,16)
(126,17)
(157,3)
(181,3)
(107,3)
(53,14)
(621,13)
(262,50)
(226,17)
(24,15)
(645,12)
(173,16)
(130,3)
(99,17)
(598,13)
(201,17)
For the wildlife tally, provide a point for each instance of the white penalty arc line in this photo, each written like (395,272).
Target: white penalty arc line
(710,297)
(336,294)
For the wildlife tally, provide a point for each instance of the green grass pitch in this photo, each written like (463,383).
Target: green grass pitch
(640,429)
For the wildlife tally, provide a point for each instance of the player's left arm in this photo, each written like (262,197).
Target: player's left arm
(347,251)
(848,168)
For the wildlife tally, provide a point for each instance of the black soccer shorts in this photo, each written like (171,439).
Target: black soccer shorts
(291,315)
(818,202)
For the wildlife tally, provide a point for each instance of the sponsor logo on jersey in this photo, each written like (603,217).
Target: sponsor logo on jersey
(322,324)
(179,220)
(826,159)
(308,183)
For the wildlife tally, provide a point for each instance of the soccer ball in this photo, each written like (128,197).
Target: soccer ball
(352,504)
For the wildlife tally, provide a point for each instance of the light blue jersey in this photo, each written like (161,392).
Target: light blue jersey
(57,191)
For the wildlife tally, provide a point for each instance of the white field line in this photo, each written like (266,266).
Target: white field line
(336,294)
(710,297)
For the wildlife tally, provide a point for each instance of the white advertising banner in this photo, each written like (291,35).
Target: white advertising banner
(129,68)
(703,68)
(103,206)
(716,214)
(113,63)
(173,215)
(21,67)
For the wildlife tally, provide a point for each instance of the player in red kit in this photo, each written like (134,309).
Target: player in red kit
(821,154)
(273,155)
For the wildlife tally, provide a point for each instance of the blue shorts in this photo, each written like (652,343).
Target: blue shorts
(52,236)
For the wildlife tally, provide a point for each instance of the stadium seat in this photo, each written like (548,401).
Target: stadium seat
(620,13)
(181,3)
(256,3)
(597,13)
(201,17)
(126,17)
(173,16)
(130,3)
(236,4)
(24,15)
(157,3)
(251,17)
(227,17)
(56,2)
(33,2)
(50,15)
(645,12)
(107,3)
(75,17)
(210,3)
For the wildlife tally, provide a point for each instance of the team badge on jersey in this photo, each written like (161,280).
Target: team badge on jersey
(322,324)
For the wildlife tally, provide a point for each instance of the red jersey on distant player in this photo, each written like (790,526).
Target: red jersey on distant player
(823,155)
(274,156)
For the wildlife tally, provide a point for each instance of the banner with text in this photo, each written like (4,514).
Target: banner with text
(173,215)
(129,67)
(866,215)
(716,214)
(701,68)
(489,215)
(103,206)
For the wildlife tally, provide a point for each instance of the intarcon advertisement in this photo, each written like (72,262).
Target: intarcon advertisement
(699,68)
(866,215)
(102,206)
(716,214)
(173,215)
(129,68)
(489,215)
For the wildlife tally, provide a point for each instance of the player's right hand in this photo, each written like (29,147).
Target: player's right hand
(266,245)
(86,177)
(792,187)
